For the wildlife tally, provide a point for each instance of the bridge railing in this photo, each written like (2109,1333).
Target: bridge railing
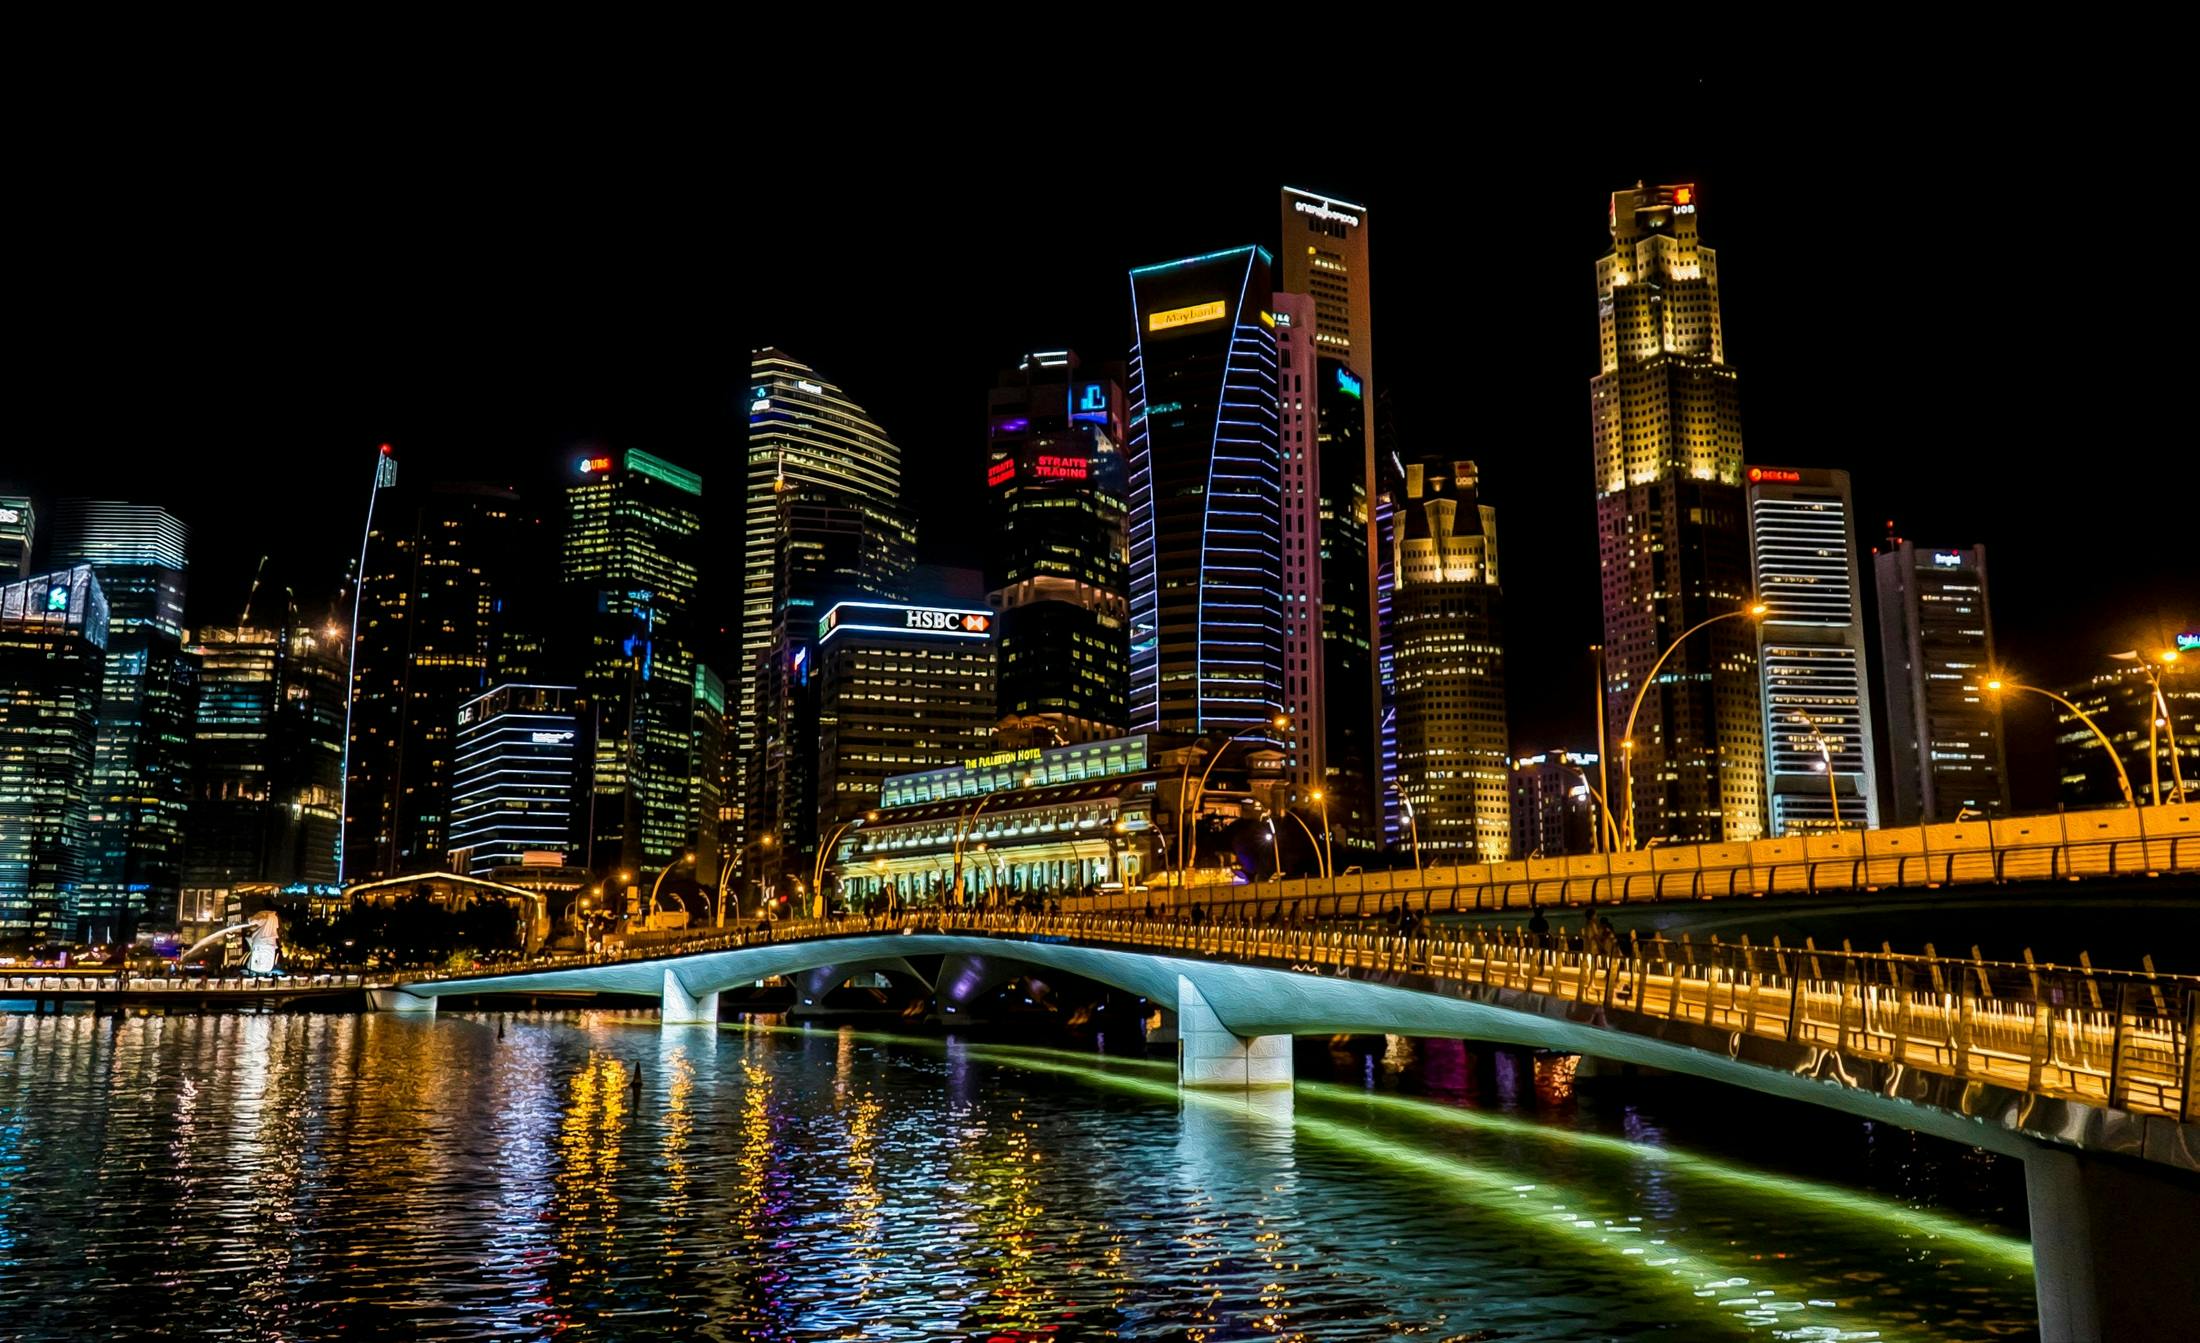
(2070,845)
(104,980)
(2124,1040)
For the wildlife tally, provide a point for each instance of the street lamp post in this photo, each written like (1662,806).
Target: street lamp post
(1754,610)
(725,874)
(1329,855)
(2123,780)
(962,831)
(1606,830)
(2159,722)
(1604,756)
(1311,843)
(1824,744)
(765,843)
(824,851)
(657,886)
(1190,846)
(1413,827)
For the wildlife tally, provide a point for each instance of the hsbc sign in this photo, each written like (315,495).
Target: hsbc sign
(943,622)
(968,621)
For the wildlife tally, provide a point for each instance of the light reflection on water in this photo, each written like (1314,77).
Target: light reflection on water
(592,1176)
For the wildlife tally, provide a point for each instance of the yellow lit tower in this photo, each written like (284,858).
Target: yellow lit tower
(1672,533)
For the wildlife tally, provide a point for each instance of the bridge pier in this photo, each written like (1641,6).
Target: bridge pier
(2114,1252)
(682,1008)
(401,1002)
(1212,1055)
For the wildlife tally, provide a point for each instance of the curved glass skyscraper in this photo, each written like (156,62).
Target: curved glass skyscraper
(1206,575)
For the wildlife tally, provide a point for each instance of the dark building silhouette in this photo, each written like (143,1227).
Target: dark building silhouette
(447,608)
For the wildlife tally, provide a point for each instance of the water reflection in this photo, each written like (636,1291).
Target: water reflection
(591,1176)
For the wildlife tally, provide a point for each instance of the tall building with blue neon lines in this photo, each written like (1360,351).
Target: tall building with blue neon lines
(1206,549)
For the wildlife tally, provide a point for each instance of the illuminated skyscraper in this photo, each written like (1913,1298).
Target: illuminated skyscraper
(18,530)
(516,779)
(902,688)
(140,788)
(266,759)
(1673,542)
(1936,645)
(707,761)
(53,636)
(1298,402)
(824,522)
(1816,690)
(631,562)
(1454,746)
(1206,551)
(442,617)
(1325,257)
(1055,554)
(1336,720)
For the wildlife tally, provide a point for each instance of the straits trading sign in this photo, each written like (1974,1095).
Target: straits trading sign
(1168,319)
(935,622)
(1327,211)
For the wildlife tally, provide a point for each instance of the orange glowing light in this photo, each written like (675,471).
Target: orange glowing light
(1684,196)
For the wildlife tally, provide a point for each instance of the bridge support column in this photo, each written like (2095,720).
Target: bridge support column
(401,1002)
(2114,1254)
(682,1008)
(1212,1055)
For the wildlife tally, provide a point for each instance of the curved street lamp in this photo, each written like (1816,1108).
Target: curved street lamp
(659,884)
(725,873)
(824,851)
(1311,843)
(1280,723)
(1824,744)
(1329,855)
(2123,780)
(1606,830)
(2159,721)
(1754,611)
(1414,826)
(963,826)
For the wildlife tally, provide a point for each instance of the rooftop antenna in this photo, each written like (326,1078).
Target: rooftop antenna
(244,616)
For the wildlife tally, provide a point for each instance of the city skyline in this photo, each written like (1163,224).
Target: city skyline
(1914,453)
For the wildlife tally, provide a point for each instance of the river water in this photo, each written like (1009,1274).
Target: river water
(590,1176)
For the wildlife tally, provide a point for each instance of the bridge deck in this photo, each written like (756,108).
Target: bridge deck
(2118,842)
(2114,1040)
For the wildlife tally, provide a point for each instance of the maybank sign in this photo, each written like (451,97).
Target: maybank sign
(937,622)
(1170,318)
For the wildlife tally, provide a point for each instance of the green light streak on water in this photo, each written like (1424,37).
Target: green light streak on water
(1530,1204)
(1548,1209)
(1998,1250)
(1990,1248)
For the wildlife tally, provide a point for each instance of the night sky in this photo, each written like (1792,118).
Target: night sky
(1962,296)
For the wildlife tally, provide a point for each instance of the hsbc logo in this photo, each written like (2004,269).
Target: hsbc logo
(968,622)
(936,622)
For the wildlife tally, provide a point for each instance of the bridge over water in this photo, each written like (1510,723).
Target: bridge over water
(2078,846)
(2090,1077)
